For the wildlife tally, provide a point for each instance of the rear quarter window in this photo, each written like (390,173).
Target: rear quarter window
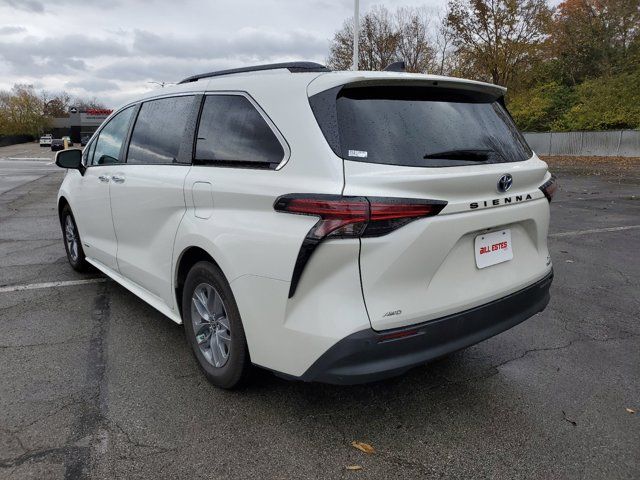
(232,132)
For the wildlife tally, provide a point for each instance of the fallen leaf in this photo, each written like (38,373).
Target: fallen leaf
(630,410)
(354,467)
(575,424)
(363,447)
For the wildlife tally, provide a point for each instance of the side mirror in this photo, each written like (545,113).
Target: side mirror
(70,159)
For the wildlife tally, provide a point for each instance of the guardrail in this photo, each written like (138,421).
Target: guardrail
(613,143)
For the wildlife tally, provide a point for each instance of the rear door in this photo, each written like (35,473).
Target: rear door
(454,146)
(147,197)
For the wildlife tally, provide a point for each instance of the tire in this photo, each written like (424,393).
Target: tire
(75,253)
(213,327)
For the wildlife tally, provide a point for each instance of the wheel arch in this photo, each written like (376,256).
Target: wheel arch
(187,259)
(62,202)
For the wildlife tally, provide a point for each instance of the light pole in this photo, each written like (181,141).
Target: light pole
(162,84)
(356,33)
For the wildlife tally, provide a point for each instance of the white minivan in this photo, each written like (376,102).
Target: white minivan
(339,227)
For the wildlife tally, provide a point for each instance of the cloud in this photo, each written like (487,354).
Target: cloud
(258,42)
(37,6)
(27,5)
(113,48)
(11,29)
(56,55)
(93,85)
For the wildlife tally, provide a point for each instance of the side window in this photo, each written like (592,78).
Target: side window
(108,144)
(159,130)
(232,131)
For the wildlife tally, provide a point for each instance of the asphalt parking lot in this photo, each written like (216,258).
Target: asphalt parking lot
(96,384)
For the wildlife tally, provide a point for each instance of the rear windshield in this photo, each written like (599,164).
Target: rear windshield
(418,126)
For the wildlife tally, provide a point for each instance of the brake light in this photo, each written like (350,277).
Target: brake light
(549,188)
(350,217)
(339,216)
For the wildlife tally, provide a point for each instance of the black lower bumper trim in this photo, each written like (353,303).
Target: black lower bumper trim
(365,356)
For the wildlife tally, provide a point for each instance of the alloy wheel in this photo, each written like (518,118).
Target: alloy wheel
(71,238)
(211,325)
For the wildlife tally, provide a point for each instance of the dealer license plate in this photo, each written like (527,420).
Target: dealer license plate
(493,248)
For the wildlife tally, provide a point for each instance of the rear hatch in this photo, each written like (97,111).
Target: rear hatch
(447,144)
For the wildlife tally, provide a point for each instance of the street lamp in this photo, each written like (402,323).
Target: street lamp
(356,33)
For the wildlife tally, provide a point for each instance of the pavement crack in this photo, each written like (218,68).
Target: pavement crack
(112,424)
(15,436)
(46,344)
(494,369)
(74,402)
(39,455)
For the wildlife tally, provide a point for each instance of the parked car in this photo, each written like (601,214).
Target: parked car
(340,227)
(84,140)
(69,142)
(45,140)
(57,144)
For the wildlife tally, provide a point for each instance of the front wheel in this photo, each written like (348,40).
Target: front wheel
(72,243)
(213,326)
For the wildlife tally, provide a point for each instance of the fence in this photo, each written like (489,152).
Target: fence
(12,139)
(615,143)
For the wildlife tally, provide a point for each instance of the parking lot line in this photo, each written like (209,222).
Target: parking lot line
(593,230)
(36,286)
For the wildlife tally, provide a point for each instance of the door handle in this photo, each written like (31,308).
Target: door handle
(103,178)
(117,179)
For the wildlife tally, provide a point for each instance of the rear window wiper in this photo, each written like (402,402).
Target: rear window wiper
(471,155)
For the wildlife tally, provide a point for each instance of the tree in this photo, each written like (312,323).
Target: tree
(414,42)
(383,39)
(444,54)
(542,108)
(606,103)
(22,111)
(498,39)
(85,104)
(594,37)
(56,105)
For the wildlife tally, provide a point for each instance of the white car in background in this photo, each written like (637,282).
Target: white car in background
(340,227)
(45,140)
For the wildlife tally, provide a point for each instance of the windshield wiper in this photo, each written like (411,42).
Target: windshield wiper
(471,155)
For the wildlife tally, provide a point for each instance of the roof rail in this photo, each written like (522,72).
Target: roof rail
(293,67)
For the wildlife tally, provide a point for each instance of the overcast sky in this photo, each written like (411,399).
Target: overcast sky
(110,49)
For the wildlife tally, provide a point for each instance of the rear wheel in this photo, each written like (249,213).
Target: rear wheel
(72,243)
(213,326)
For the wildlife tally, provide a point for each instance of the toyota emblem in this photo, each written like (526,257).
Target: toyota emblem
(505,182)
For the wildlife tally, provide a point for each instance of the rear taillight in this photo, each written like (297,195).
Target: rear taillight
(350,217)
(549,188)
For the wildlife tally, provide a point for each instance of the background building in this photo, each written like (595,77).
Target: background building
(79,123)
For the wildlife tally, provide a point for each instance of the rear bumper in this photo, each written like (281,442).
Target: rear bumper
(366,356)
